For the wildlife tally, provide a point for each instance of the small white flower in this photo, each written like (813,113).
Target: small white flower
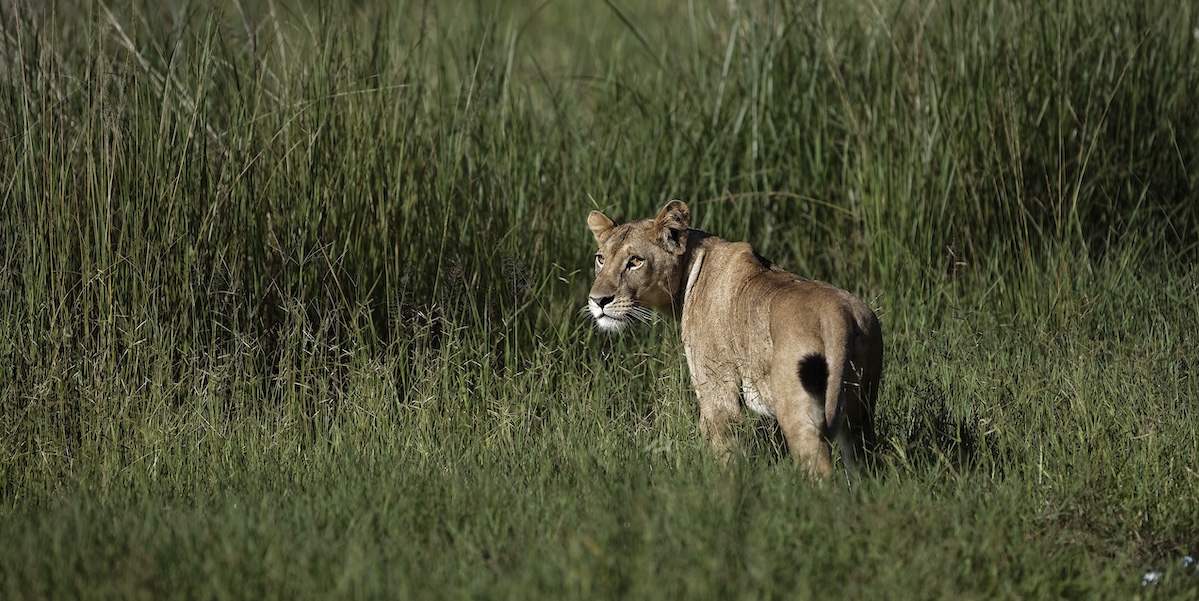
(1151,578)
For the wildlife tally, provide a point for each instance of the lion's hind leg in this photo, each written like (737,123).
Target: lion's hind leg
(856,435)
(799,396)
(860,398)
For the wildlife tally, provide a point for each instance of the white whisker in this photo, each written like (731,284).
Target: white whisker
(641,314)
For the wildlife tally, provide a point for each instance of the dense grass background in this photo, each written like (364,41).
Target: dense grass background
(289,296)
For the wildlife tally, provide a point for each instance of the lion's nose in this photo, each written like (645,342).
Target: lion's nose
(601,301)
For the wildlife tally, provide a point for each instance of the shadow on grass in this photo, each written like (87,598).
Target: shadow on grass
(934,435)
(931,435)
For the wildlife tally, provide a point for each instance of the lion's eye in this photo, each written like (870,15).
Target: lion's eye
(599,260)
(635,262)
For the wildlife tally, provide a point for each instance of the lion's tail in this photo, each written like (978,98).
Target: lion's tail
(838,361)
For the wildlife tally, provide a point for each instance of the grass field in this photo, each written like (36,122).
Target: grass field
(289,296)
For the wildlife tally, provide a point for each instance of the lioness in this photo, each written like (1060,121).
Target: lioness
(802,351)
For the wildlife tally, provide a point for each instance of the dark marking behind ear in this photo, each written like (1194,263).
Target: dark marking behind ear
(813,375)
(672,223)
(763,261)
(673,239)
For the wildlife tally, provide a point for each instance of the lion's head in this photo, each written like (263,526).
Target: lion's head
(638,266)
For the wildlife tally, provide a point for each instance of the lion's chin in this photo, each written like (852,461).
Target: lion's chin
(611,324)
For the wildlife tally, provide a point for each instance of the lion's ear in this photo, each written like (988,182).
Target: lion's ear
(672,223)
(600,225)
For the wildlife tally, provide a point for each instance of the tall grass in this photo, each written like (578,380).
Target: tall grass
(289,296)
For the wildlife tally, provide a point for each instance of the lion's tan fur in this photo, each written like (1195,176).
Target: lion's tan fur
(803,351)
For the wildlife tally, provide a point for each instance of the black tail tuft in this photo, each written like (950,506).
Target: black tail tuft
(813,374)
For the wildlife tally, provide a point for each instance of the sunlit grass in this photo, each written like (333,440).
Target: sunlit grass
(289,297)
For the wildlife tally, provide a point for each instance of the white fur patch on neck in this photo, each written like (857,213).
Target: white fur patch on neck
(693,275)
